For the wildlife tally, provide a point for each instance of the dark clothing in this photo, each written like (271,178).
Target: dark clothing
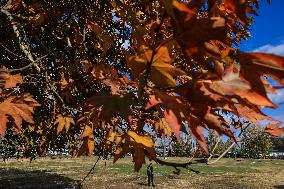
(150,174)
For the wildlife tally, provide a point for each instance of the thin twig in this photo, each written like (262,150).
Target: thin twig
(53,89)
(11,52)
(27,66)
(80,183)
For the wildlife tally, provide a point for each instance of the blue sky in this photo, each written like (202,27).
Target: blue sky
(268,36)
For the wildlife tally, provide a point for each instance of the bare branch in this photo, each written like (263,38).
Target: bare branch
(214,148)
(11,52)
(27,66)
(231,146)
(224,153)
(23,46)
(90,171)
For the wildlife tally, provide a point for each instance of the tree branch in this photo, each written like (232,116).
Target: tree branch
(231,146)
(214,148)
(80,183)
(27,66)
(23,46)
(224,153)
(11,52)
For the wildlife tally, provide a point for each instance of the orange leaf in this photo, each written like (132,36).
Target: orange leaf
(63,122)
(19,109)
(172,120)
(143,140)
(91,145)
(88,131)
(13,5)
(3,123)
(10,80)
(232,84)
(275,129)
(162,72)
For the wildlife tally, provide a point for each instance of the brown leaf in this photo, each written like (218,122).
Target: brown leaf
(13,5)
(173,121)
(267,64)
(17,108)
(196,132)
(162,72)
(88,131)
(110,106)
(188,25)
(107,42)
(63,122)
(94,27)
(87,147)
(174,111)
(140,145)
(232,84)
(10,81)
(163,127)
(252,114)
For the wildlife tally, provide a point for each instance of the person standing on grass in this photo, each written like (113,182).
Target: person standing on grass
(150,174)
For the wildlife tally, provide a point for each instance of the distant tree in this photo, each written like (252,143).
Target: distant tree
(278,143)
(255,143)
(177,149)
(8,145)
(182,148)
(216,145)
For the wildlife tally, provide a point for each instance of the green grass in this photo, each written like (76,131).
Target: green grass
(61,173)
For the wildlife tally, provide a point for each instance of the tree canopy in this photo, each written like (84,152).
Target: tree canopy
(96,76)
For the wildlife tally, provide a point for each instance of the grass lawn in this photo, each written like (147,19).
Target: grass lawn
(66,172)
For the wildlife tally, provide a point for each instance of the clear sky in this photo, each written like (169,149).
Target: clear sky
(268,36)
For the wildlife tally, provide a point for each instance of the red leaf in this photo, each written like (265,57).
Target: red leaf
(233,85)
(196,132)
(267,64)
(275,129)
(173,122)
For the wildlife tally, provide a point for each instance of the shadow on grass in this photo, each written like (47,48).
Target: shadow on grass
(33,179)
(279,186)
(142,184)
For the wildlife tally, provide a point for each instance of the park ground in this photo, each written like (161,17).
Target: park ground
(65,173)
